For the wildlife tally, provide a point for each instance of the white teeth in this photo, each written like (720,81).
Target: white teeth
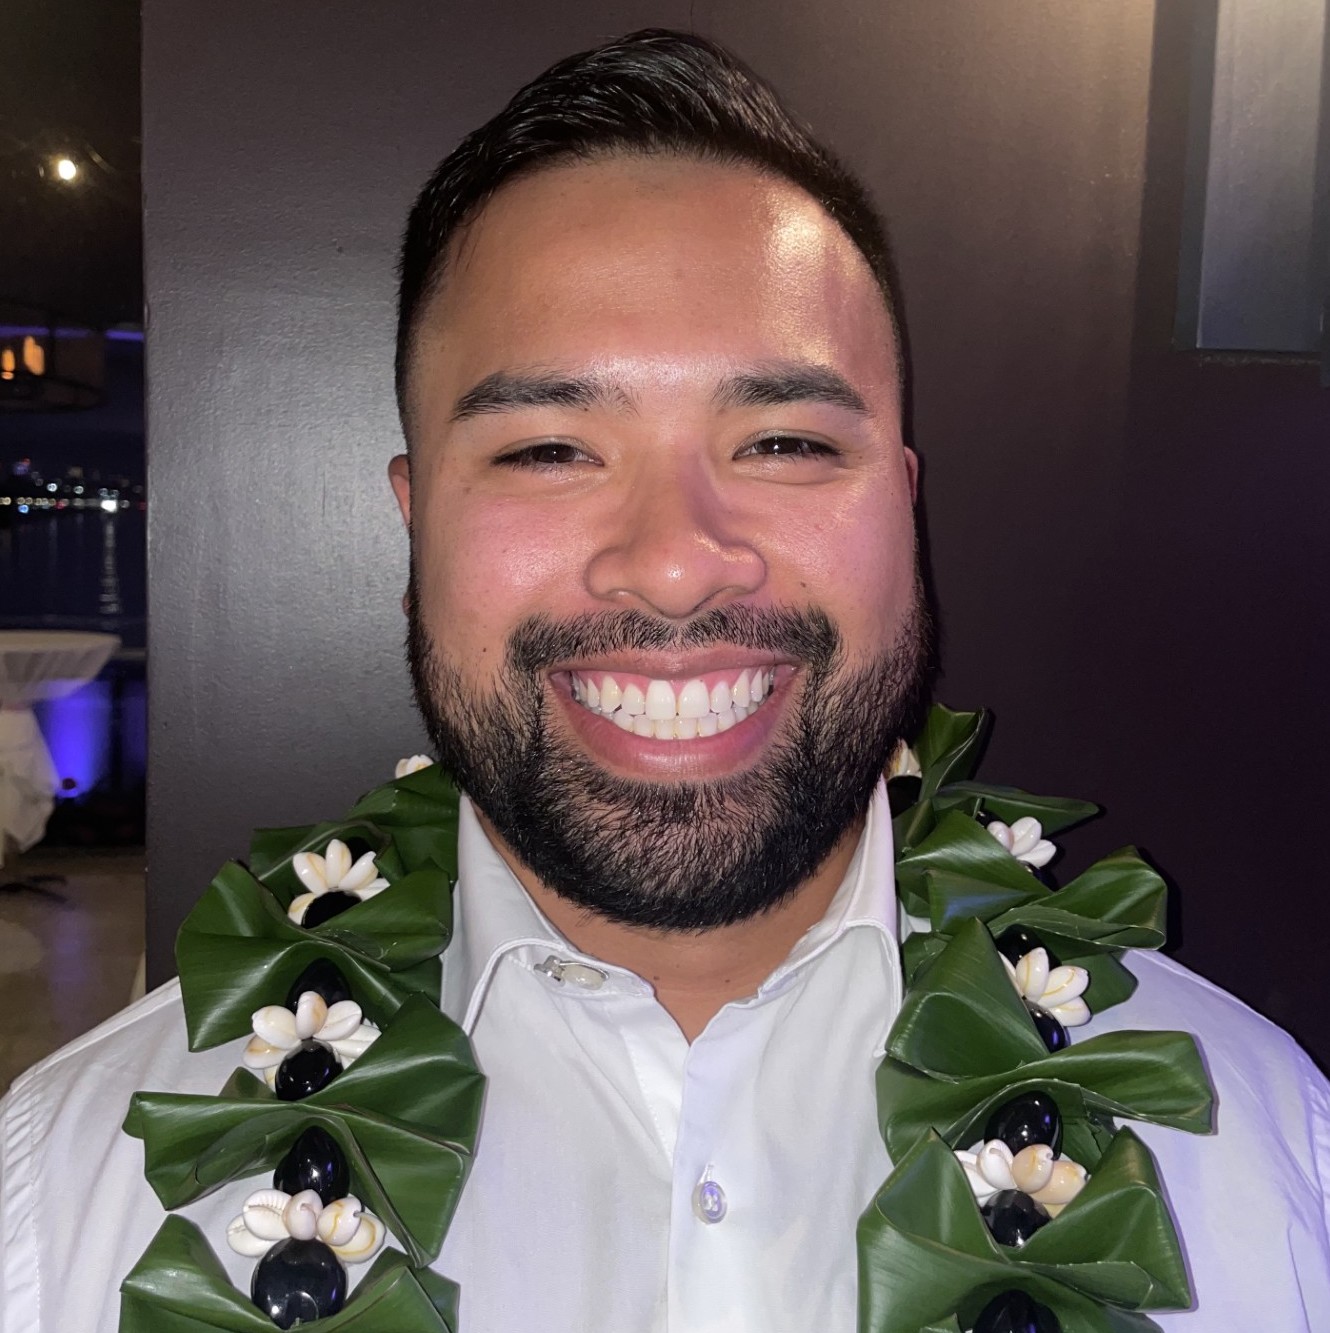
(740,691)
(662,715)
(694,701)
(660,702)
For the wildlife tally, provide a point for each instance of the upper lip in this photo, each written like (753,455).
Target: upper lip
(666,667)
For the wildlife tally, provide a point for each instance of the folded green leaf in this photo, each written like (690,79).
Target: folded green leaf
(1055,814)
(238,950)
(179,1286)
(962,1017)
(949,747)
(1118,903)
(1157,1077)
(956,898)
(407,1114)
(961,846)
(925,1253)
(420,812)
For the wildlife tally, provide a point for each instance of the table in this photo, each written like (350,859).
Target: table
(37,665)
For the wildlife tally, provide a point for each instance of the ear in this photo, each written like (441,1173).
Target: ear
(399,475)
(912,471)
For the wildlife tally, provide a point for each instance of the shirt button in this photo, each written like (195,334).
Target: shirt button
(709,1200)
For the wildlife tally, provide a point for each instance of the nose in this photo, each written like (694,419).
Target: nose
(675,549)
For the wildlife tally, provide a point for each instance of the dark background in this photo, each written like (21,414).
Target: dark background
(1129,543)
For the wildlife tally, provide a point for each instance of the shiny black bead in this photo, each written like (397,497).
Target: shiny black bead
(311,1066)
(321,976)
(1029,1117)
(326,906)
(1015,1312)
(1054,1034)
(903,792)
(314,1162)
(298,1281)
(1013,1217)
(1015,942)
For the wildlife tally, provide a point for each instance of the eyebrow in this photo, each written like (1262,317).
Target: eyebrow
(509,390)
(770,385)
(783,382)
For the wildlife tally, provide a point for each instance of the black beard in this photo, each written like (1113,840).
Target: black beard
(676,856)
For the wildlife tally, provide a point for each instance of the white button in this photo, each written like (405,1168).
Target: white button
(579,974)
(588,978)
(709,1200)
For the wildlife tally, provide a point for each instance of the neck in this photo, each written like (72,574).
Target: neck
(695,974)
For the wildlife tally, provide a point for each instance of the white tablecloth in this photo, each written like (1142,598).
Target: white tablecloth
(35,665)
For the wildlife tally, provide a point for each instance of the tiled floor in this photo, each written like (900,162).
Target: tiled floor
(66,962)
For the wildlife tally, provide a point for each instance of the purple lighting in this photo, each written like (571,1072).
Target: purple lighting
(78,734)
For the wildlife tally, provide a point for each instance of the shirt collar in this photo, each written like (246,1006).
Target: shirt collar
(494,917)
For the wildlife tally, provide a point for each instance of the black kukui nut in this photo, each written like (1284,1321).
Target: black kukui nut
(1053,1033)
(311,1066)
(1029,1117)
(903,792)
(1013,1217)
(1015,1312)
(322,976)
(1015,942)
(298,1281)
(314,1162)
(326,906)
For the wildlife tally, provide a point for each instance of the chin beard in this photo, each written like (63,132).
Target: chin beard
(676,856)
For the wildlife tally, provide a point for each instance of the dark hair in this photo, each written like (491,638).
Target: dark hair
(652,92)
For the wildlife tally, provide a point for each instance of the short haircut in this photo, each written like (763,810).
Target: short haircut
(654,92)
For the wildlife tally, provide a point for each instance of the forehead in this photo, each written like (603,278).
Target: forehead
(661,266)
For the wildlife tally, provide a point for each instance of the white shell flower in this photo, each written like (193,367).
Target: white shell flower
(1055,990)
(278,1031)
(1024,840)
(904,763)
(272,1215)
(991,1167)
(405,767)
(333,871)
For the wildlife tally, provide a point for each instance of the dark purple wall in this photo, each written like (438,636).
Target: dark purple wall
(1130,547)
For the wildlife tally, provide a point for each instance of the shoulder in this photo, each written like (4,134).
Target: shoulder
(1240,1047)
(1251,1199)
(64,1157)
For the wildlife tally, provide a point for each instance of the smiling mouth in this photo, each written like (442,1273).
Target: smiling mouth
(674,711)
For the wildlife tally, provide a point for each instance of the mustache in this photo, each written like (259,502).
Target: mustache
(806,635)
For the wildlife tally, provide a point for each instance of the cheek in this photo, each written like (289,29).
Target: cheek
(858,562)
(484,566)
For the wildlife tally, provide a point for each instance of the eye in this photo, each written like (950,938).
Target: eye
(545,454)
(787,446)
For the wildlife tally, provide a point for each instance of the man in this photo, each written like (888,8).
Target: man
(667,631)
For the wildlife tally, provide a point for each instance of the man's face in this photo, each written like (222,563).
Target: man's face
(666,622)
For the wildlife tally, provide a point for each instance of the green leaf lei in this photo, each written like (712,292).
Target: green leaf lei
(406,1114)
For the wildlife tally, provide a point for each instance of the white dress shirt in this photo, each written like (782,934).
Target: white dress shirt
(600,1122)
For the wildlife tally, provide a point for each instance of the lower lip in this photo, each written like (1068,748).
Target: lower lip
(703,757)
